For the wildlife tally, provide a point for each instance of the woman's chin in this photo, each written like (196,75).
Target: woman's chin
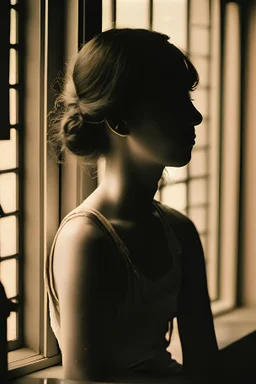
(181,160)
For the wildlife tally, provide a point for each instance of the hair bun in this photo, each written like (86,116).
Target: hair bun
(72,122)
(73,131)
(82,136)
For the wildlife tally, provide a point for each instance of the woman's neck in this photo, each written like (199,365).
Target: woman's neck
(127,190)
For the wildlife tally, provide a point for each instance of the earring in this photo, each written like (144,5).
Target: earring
(114,130)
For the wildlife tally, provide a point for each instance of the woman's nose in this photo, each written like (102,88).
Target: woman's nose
(196,117)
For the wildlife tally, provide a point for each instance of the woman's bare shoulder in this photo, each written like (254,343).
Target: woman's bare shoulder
(90,284)
(83,243)
(79,225)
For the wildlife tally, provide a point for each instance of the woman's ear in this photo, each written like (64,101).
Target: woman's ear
(120,128)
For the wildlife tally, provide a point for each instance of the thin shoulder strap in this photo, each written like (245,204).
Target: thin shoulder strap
(176,245)
(101,221)
(107,227)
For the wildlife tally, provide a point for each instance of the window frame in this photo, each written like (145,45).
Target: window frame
(40,192)
(14,42)
(230,170)
(227,189)
(44,180)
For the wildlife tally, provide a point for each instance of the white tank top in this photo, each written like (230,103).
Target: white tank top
(147,312)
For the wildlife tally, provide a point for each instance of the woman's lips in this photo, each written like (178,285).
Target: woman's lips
(192,140)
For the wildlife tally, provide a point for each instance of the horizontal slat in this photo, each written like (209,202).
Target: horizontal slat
(14,213)
(201,148)
(15,170)
(198,205)
(14,86)
(200,26)
(16,256)
(187,179)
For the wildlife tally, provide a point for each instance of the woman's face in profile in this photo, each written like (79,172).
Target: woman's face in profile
(166,128)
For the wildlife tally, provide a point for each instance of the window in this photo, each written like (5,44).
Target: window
(200,190)
(10,190)
(51,38)
(41,34)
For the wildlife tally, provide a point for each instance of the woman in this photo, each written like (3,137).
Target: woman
(125,265)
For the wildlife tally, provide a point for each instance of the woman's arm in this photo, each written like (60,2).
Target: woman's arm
(88,284)
(195,320)
(194,317)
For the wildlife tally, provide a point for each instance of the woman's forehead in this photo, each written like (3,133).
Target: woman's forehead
(175,73)
(171,60)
